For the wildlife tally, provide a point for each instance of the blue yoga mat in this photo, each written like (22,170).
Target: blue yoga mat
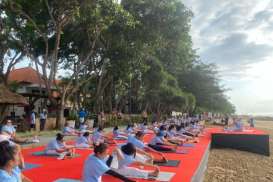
(29,166)
(42,153)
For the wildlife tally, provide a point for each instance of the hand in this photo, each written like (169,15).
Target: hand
(164,158)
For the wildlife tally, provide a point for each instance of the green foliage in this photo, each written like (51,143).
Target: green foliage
(72,116)
(132,55)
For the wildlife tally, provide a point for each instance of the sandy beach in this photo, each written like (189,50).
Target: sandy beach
(227,165)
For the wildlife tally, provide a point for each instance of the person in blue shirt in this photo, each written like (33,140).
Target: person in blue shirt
(154,127)
(82,115)
(9,161)
(238,125)
(96,165)
(144,128)
(9,129)
(99,137)
(5,137)
(127,157)
(159,143)
(130,129)
(189,138)
(143,150)
(184,130)
(172,136)
(251,122)
(84,127)
(59,147)
(118,135)
(68,130)
(43,117)
(32,121)
(84,141)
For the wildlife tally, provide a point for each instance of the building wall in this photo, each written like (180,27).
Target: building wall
(19,110)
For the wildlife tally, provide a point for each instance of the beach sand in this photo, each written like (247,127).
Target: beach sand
(227,165)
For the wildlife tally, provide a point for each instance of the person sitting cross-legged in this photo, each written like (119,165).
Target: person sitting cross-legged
(59,147)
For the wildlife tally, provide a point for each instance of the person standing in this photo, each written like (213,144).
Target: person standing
(144,116)
(102,119)
(252,122)
(43,117)
(32,121)
(82,115)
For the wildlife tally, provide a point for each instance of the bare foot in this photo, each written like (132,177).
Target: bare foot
(155,173)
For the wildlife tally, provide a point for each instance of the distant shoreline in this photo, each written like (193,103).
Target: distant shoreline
(263,118)
(258,117)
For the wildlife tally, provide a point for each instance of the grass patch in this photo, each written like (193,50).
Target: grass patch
(33,133)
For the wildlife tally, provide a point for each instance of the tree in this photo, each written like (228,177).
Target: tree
(203,82)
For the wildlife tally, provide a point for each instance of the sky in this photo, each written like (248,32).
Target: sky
(237,36)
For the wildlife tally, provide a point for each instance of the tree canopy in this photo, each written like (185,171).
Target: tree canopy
(126,55)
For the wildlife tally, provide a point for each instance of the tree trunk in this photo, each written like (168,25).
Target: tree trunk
(60,113)
(158,112)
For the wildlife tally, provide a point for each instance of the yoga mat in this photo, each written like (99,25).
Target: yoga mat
(169,163)
(29,166)
(188,145)
(65,169)
(66,180)
(162,177)
(42,153)
(182,151)
(178,151)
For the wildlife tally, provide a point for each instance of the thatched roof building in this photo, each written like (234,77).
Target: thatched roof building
(8,97)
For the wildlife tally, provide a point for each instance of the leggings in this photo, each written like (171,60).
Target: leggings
(160,147)
(114,173)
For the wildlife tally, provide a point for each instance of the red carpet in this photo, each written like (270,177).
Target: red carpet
(252,131)
(53,169)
